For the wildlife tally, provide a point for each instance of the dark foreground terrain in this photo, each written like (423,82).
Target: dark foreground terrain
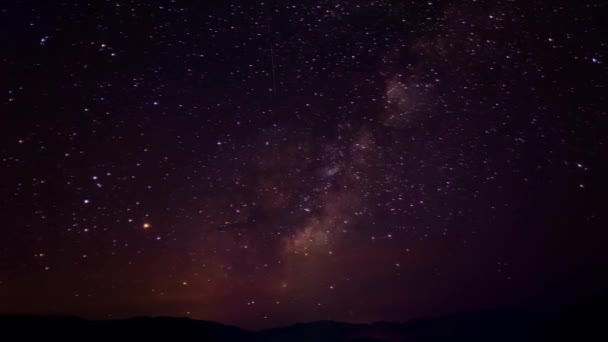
(583,323)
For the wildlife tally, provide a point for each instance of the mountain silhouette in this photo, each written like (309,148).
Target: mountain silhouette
(582,323)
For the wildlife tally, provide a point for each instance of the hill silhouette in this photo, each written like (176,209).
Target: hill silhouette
(582,323)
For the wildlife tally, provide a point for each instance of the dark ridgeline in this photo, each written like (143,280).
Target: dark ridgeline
(75,329)
(583,323)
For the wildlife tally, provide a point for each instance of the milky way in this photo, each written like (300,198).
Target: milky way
(264,163)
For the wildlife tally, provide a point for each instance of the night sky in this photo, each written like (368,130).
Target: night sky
(265,163)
